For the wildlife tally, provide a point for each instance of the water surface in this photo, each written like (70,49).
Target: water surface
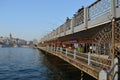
(31,64)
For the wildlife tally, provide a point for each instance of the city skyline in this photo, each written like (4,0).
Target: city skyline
(32,19)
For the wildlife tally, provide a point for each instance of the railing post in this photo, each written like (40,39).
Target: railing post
(72,24)
(61,49)
(56,48)
(51,47)
(89,56)
(113,8)
(66,51)
(86,17)
(74,53)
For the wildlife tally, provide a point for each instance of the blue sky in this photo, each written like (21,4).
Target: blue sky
(32,19)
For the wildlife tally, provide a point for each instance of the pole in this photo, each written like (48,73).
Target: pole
(113,41)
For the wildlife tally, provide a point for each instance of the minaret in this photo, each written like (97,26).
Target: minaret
(10,36)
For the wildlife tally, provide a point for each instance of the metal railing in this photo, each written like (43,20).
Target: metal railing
(62,27)
(118,3)
(79,17)
(95,10)
(86,58)
(68,23)
(99,8)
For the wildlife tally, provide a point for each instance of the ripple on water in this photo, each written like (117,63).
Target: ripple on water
(31,64)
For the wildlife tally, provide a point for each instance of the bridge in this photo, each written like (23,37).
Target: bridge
(90,40)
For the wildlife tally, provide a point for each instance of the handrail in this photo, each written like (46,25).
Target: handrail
(118,3)
(86,14)
(83,57)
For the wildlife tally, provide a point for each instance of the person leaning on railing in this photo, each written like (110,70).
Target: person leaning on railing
(80,49)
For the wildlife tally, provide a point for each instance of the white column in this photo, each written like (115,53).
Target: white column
(66,51)
(72,24)
(89,58)
(61,49)
(113,8)
(86,17)
(74,53)
(103,75)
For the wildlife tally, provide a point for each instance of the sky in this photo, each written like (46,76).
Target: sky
(32,19)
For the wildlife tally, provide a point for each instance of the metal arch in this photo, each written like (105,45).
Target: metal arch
(103,40)
(104,37)
(117,34)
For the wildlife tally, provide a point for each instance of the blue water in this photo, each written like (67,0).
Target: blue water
(31,64)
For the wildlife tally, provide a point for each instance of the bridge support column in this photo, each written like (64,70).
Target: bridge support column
(113,41)
(82,74)
(101,74)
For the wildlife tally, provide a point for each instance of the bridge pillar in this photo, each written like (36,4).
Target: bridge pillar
(102,75)
(82,74)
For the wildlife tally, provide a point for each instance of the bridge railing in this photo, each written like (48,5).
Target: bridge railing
(86,58)
(98,8)
(118,3)
(78,17)
(98,13)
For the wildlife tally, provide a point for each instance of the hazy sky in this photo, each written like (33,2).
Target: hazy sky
(29,19)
